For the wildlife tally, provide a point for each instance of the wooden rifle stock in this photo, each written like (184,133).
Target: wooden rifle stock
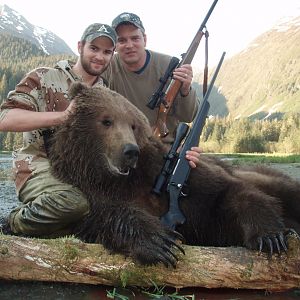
(160,128)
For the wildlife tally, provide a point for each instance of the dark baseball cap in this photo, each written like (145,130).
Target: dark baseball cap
(97,30)
(128,18)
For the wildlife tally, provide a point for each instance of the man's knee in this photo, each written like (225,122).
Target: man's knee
(49,213)
(71,204)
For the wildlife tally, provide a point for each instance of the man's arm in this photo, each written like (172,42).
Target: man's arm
(19,112)
(21,120)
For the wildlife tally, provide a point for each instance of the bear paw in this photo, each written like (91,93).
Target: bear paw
(160,248)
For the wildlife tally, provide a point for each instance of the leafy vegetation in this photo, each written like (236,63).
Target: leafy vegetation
(226,135)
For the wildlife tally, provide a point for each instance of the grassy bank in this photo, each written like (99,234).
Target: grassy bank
(261,158)
(5,152)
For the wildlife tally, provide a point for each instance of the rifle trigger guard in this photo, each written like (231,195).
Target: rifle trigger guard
(185,190)
(184,194)
(165,103)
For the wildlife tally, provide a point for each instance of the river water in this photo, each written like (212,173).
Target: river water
(16,290)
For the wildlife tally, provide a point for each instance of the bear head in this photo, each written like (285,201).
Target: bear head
(101,138)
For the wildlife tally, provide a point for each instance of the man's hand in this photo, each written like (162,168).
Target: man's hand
(193,156)
(70,109)
(185,75)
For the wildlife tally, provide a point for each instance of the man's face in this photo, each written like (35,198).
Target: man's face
(131,44)
(96,55)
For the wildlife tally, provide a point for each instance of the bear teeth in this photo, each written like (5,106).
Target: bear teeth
(124,172)
(118,170)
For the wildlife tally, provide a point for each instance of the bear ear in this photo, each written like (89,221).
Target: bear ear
(77,89)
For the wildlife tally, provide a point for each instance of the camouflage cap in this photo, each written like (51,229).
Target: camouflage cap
(97,30)
(128,18)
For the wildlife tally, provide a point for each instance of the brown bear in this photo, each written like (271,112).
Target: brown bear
(107,149)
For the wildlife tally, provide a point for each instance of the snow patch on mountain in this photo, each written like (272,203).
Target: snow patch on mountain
(13,23)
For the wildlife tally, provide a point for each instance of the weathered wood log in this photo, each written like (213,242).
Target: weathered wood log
(70,260)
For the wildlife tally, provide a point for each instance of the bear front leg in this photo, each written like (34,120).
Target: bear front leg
(131,231)
(258,216)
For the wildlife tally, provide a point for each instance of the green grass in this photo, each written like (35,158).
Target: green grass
(262,158)
(154,292)
(5,152)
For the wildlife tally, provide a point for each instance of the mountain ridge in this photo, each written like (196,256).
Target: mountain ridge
(264,78)
(11,22)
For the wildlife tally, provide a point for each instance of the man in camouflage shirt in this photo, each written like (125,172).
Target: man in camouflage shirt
(39,103)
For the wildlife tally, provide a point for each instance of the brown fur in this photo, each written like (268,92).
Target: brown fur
(107,137)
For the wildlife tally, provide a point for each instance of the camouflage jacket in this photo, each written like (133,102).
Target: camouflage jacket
(43,89)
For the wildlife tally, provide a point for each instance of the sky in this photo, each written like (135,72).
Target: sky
(170,24)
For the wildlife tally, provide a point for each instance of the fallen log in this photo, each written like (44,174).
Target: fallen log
(70,260)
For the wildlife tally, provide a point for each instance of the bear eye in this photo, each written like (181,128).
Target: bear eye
(107,122)
(133,127)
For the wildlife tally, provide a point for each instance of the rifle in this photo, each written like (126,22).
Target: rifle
(176,169)
(165,100)
(159,94)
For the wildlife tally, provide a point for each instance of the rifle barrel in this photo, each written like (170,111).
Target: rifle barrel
(188,57)
(208,15)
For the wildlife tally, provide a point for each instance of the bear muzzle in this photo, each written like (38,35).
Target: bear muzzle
(131,154)
(127,160)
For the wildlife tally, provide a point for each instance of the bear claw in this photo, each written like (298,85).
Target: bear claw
(275,242)
(272,242)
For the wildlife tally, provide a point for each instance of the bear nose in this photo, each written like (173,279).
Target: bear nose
(131,151)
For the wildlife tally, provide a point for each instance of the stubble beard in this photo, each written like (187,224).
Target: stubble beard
(88,69)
